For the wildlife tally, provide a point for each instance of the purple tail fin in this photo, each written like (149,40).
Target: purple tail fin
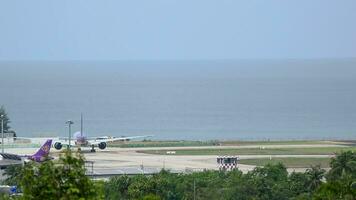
(44,150)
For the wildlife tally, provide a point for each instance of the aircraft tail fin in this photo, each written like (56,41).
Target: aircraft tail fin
(44,150)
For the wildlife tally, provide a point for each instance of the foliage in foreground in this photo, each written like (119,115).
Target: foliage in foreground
(64,179)
(67,180)
(269,182)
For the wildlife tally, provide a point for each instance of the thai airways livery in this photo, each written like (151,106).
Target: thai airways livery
(40,156)
(42,153)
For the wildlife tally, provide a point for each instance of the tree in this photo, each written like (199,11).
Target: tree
(270,181)
(315,175)
(344,162)
(63,180)
(141,186)
(303,185)
(341,179)
(6,120)
(13,174)
(239,186)
(151,197)
(117,187)
(299,183)
(341,189)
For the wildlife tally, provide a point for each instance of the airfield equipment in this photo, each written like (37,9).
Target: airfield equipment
(227,163)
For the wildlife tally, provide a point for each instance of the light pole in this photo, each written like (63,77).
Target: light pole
(69,122)
(2,133)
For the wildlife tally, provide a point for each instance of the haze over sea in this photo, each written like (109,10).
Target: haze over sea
(266,99)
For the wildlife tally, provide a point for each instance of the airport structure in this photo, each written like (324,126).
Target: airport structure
(227,163)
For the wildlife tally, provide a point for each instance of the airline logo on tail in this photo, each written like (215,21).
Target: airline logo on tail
(45,148)
(43,152)
(39,156)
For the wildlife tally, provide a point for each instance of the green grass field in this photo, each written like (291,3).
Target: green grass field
(134,144)
(185,143)
(256,151)
(289,162)
(25,145)
(282,142)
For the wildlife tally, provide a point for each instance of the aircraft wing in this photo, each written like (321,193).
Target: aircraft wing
(39,140)
(98,140)
(10,156)
(64,141)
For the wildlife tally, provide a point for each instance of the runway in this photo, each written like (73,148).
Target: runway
(117,161)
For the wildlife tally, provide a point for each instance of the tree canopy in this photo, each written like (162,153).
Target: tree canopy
(63,179)
(6,119)
(271,181)
(66,180)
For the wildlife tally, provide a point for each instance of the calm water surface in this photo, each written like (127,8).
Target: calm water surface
(184,100)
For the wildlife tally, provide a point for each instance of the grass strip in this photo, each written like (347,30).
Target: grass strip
(254,151)
(289,162)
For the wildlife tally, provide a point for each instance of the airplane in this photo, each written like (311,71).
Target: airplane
(80,140)
(40,156)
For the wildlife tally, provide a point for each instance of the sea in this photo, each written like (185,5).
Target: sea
(183,100)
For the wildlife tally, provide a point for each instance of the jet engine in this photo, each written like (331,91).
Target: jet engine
(58,145)
(102,145)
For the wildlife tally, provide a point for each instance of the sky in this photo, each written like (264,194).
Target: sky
(177,29)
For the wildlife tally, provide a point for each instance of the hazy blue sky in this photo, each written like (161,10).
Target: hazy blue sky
(182,29)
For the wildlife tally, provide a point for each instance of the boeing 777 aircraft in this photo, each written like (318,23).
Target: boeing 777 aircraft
(40,156)
(80,140)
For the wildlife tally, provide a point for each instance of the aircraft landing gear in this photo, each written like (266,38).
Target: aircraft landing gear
(92,148)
